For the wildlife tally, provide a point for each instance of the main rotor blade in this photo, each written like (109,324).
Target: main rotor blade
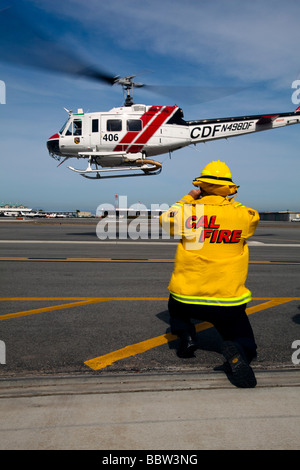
(22,43)
(194,94)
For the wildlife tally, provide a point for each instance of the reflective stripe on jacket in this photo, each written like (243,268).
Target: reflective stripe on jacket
(211,263)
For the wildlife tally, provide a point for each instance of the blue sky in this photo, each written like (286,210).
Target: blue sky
(168,42)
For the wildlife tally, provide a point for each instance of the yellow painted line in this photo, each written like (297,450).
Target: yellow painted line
(95,260)
(106,360)
(270,303)
(103,361)
(47,309)
(3,299)
(98,299)
(138,348)
(79,301)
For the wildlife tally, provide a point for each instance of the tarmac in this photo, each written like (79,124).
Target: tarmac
(150,412)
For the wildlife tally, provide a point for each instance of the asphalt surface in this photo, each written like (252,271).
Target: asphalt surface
(177,415)
(84,326)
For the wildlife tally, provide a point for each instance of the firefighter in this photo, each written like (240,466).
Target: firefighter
(210,270)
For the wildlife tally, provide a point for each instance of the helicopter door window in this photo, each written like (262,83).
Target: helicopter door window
(95,125)
(134,125)
(77,127)
(114,125)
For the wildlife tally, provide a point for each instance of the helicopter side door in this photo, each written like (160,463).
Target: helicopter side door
(94,132)
(112,131)
(73,139)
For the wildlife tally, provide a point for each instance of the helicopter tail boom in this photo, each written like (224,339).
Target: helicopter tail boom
(212,129)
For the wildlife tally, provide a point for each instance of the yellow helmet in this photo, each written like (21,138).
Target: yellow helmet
(215,173)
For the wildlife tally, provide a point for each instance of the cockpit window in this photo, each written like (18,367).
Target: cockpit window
(75,127)
(63,127)
(70,129)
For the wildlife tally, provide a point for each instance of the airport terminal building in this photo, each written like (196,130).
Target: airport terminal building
(21,210)
(283,216)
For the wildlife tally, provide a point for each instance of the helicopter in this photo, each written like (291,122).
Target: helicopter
(123,141)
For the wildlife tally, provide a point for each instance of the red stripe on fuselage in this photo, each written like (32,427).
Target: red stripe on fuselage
(161,113)
(152,128)
(130,136)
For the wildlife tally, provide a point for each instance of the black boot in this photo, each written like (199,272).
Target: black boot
(241,374)
(187,346)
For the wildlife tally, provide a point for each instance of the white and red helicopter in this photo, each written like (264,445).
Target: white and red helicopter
(122,141)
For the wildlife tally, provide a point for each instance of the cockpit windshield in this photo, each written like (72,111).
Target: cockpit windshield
(64,126)
(72,127)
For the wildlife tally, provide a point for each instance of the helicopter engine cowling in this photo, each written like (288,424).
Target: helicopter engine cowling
(117,160)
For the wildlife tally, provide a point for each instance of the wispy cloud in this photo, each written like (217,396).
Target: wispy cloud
(255,40)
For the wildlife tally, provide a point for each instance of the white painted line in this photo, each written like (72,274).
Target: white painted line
(77,242)
(134,242)
(295,245)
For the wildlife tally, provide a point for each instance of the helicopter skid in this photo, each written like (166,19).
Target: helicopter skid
(146,169)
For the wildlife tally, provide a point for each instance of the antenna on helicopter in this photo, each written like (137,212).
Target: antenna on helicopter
(128,84)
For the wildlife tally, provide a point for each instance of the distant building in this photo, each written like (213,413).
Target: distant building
(13,209)
(21,210)
(283,216)
(84,214)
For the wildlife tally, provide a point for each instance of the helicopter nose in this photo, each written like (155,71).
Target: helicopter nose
(53,145)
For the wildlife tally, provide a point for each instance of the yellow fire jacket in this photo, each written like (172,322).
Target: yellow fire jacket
(211,263)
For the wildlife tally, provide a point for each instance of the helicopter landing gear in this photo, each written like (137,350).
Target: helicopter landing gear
(144,167)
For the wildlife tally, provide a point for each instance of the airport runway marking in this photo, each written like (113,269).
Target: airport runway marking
(126,260)
(105,360)
(101,362)
(45,309)
(142,241)
(79,301)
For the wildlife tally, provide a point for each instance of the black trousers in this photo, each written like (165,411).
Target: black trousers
(232,323)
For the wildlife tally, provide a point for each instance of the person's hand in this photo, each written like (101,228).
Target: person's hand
(195,193)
